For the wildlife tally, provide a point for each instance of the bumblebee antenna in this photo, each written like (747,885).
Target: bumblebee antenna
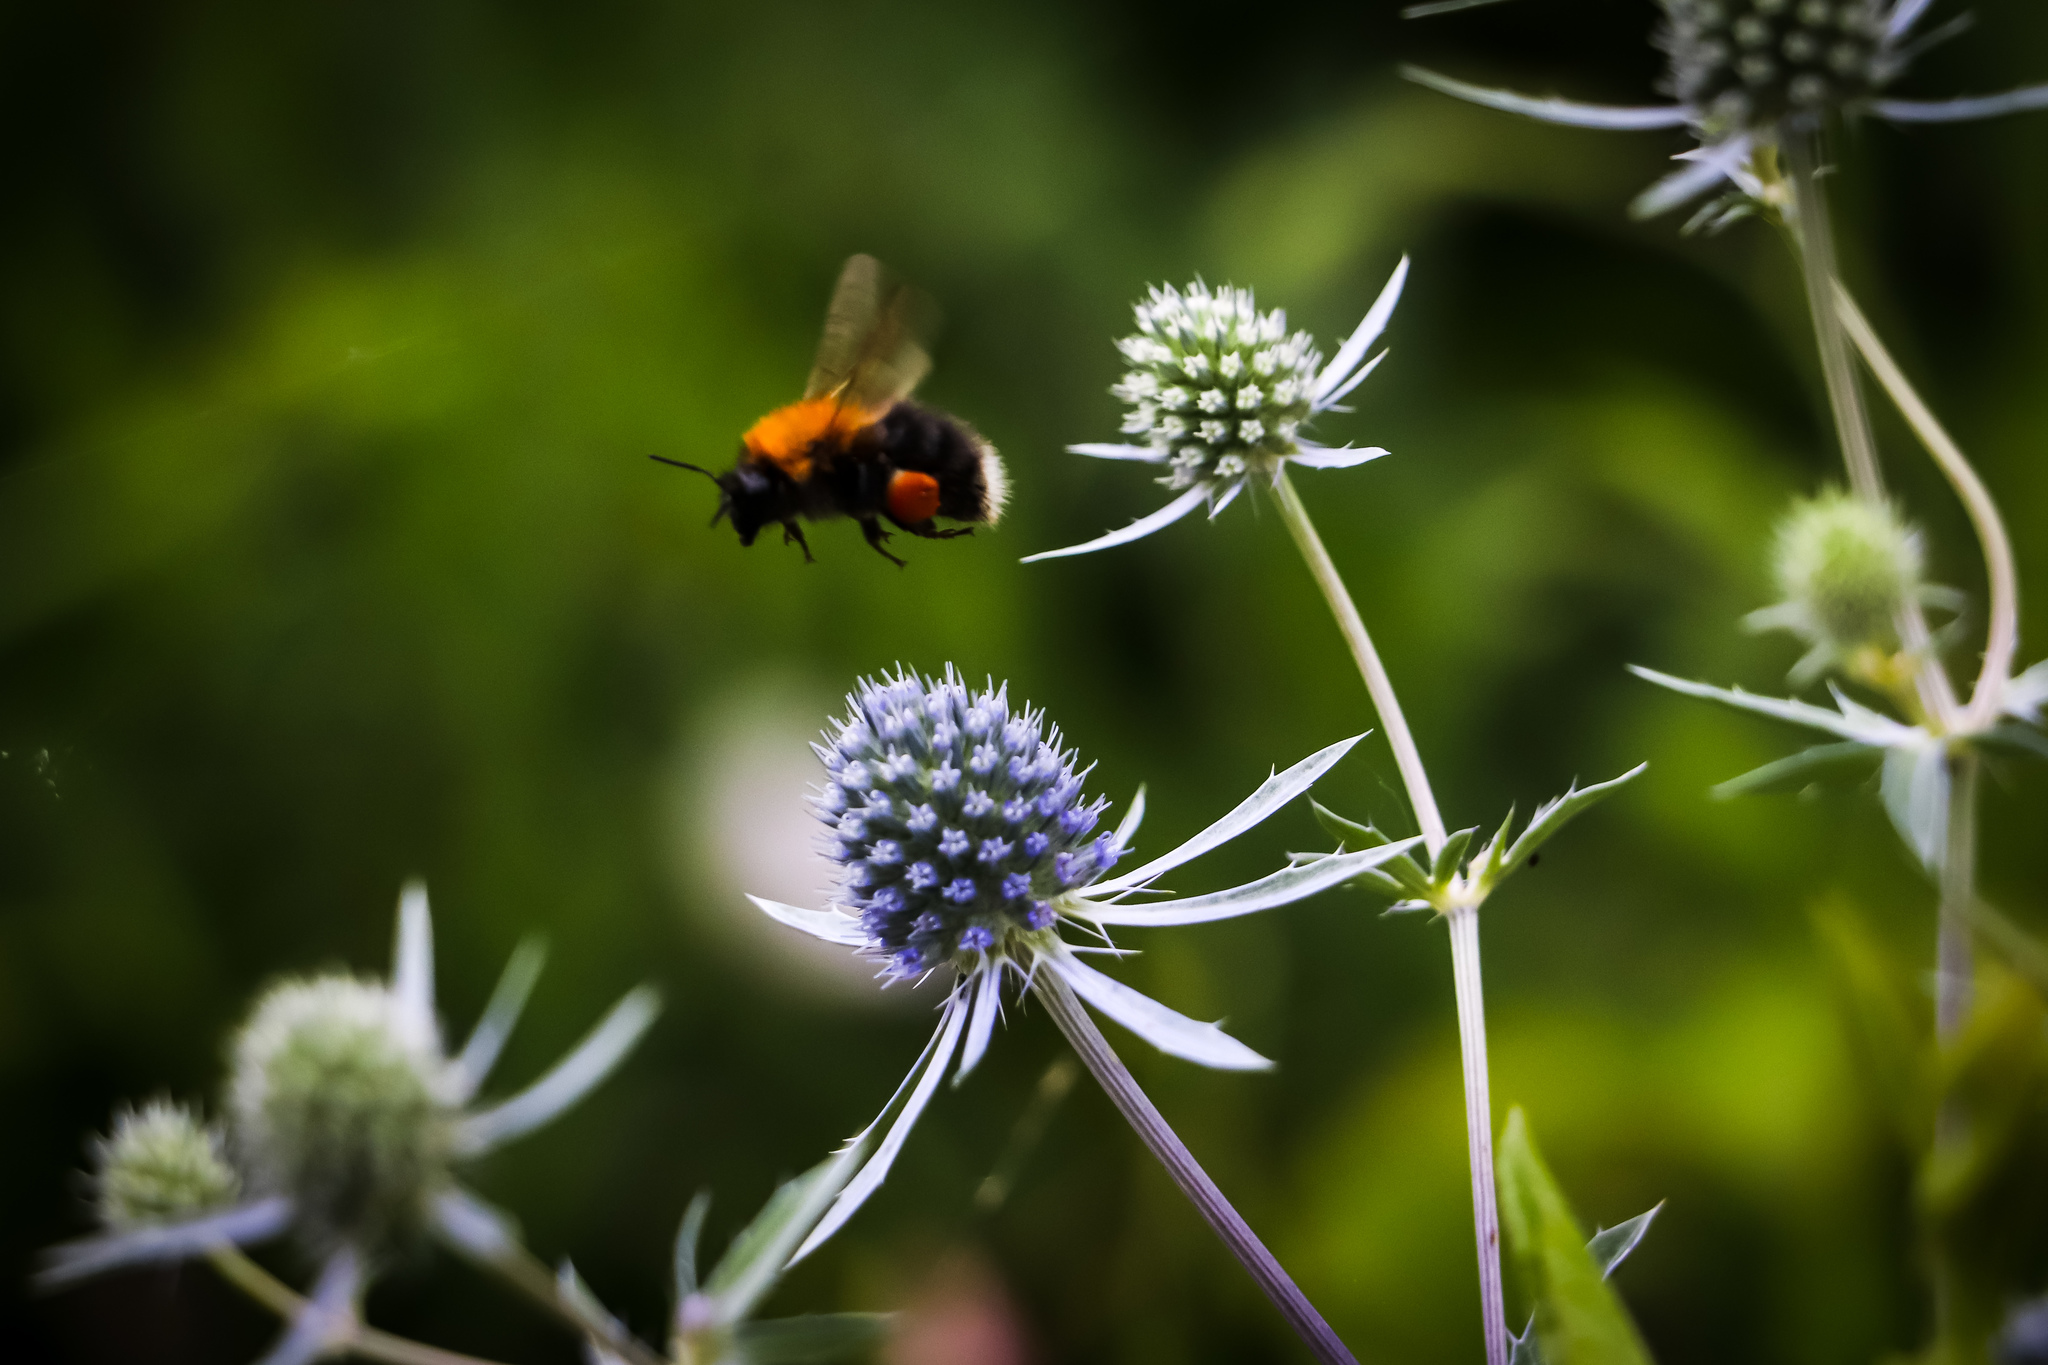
(694,469)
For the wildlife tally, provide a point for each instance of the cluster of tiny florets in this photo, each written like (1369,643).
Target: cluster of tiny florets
(1217,385)
(957,821)
(1750,62)
(160,1164)
(336,1100)
(1848,564)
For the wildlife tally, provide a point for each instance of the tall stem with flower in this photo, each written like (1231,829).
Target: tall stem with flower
(1760,83)
(1222,393)
(967,844)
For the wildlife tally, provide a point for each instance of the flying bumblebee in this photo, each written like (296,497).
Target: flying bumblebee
(855,445)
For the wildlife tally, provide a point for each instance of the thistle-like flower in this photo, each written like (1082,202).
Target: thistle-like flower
(347,1121)
(1743,74)
(1219,394)
(159,1165)
(1846,567)
(966,842)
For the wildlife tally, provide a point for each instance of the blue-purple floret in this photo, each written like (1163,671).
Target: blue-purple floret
(956,821)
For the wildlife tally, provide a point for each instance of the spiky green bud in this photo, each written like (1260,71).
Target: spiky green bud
(1848,565)
(160,1164)
(337,1100)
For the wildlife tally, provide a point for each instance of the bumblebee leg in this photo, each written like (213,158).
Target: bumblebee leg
(872,529)
(791,531)
(928,531)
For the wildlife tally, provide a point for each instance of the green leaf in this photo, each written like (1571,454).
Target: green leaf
(1579,1320)
(813,1337)
(1818,764)
(688,1237)
(1555,814)
(1401,877)
(1450,857)
(1611,1246)
(1495,853)
(1348,832)
(758,1255)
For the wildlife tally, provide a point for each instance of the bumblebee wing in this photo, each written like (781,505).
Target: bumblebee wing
(872,353)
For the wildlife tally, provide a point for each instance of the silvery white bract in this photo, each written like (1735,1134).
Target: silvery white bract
(1915,780)
(1743,72)
(1219,394)
(966,842)
(288,1152)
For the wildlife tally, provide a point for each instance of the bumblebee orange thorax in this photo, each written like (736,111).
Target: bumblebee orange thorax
(785,437)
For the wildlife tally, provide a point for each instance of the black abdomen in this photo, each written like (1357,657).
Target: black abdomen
(929,442)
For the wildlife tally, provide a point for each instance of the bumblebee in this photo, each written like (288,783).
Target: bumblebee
(855,445)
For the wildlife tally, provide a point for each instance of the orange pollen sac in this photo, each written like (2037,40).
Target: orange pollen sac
(913,497)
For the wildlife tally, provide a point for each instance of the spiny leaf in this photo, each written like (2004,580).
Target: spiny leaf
(688,1237)
(1555,814)
(1451,856)
(1801,770)
(1579,1320)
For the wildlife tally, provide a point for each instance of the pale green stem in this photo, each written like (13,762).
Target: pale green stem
(1816,243)
(358,1339)
(1953,970)
(1464,925)
(1194,1182)
(1817,260)
(1464,919)
(2002,641)
(1377,684)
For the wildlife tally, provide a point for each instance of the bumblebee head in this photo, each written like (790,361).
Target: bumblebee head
(750,494)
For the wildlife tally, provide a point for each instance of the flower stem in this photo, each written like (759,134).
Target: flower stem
(1377,684)
(1464,919)
(1953,969)
(1814,237)
(260,1285)
(1108,1069)
(2002,641)
(1816,241)
(1464,925)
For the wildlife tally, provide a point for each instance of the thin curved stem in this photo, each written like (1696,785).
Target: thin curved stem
(1116,1081)
(1464,925)
(1377,684)
(2001,645)
(1815,240)
(363,1340)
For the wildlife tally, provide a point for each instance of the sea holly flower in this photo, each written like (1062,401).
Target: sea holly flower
(347,1121)
(159,1165)
(1220,394)
(1846,567)
(1743,74)
(966,843)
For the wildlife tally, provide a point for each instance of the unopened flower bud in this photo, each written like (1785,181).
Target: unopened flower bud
(160,1165)
(1848,565)
(337,1101)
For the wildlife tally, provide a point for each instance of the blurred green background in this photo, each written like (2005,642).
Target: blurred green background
(333,339)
